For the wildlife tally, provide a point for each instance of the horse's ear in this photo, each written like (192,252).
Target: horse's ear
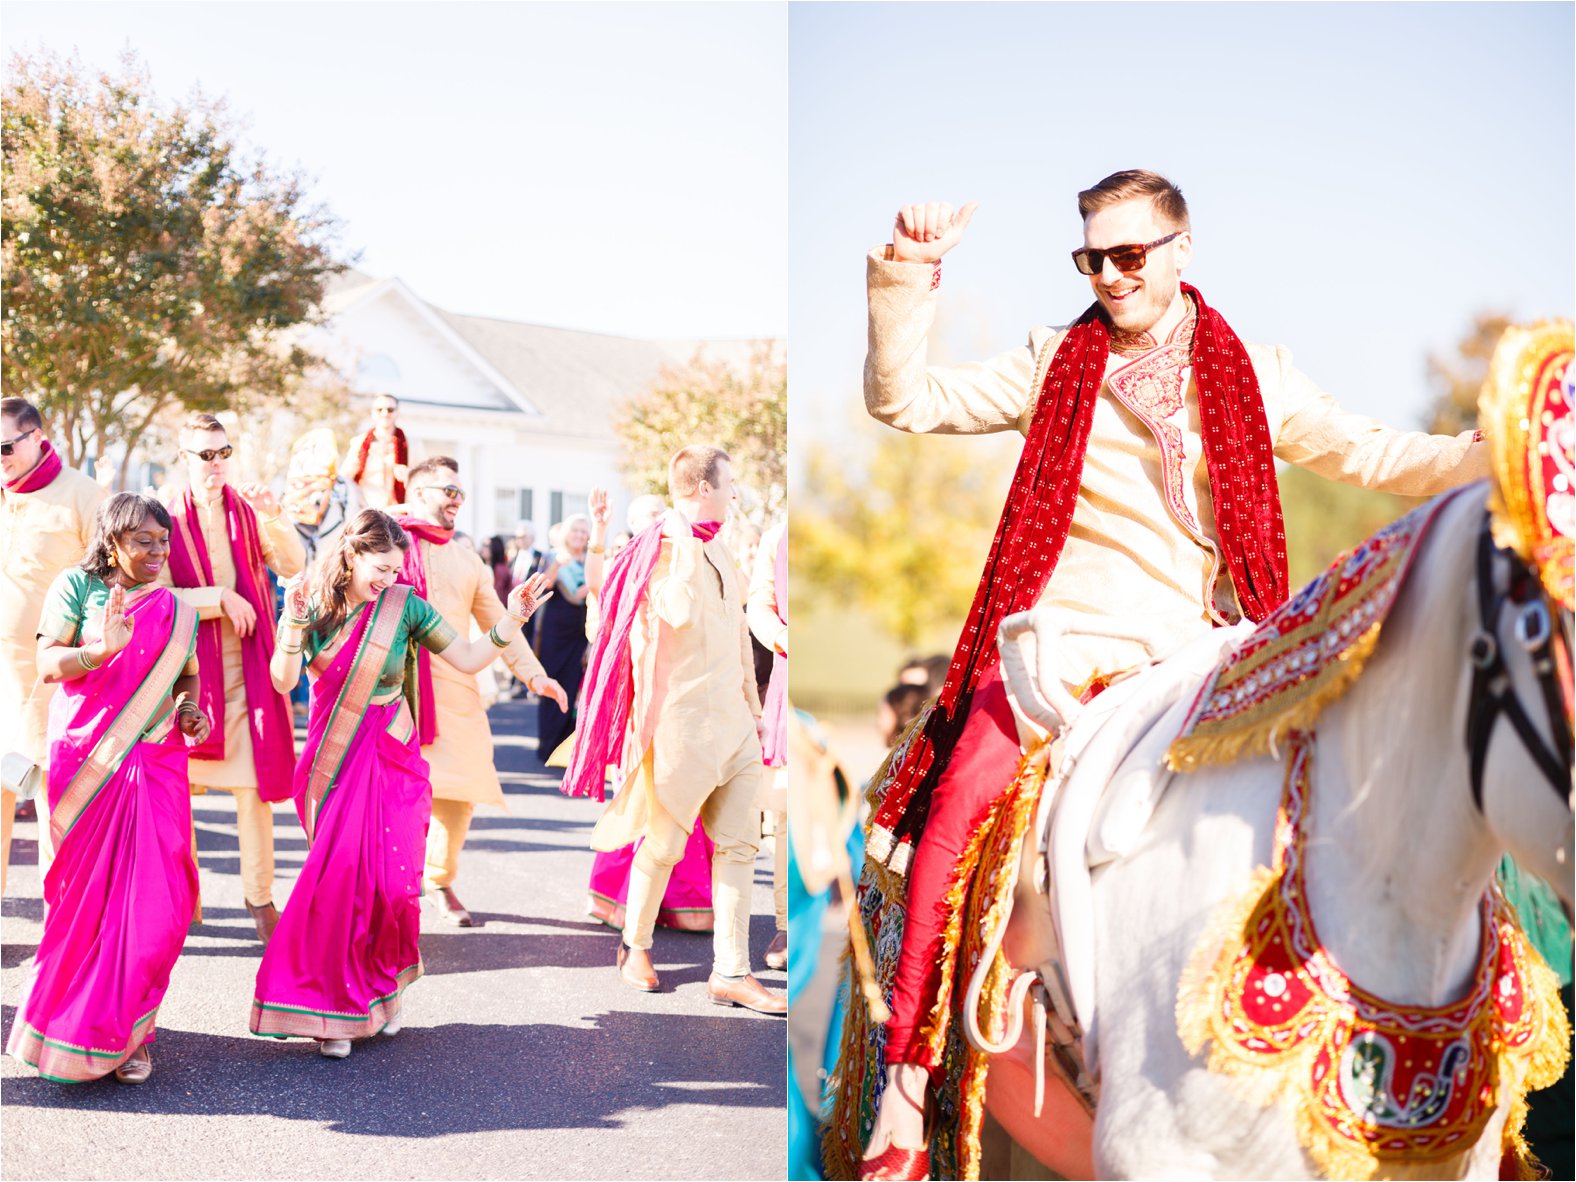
(1525,412)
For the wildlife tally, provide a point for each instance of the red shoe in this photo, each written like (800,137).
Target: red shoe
(913,1165)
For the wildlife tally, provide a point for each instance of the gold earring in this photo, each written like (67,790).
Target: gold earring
(112,558)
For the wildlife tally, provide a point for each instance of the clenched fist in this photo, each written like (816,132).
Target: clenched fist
(923,233)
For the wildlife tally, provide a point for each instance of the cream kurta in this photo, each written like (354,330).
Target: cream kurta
(283,554)
(1132,553)
(41,534)
(460,587)
(695,701)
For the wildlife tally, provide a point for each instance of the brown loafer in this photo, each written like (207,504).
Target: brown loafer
(136,1069)
(450,907)
(746,992)
(266,918)
(777,952)
(634,968)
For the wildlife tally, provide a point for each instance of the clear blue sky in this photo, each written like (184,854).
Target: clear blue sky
(598,166)
(1362,178)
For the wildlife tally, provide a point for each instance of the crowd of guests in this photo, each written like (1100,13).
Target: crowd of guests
(149,649)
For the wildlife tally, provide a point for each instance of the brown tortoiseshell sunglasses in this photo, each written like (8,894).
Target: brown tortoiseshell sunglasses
(1126,258)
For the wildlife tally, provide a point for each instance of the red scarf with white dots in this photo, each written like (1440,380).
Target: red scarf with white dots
(1039,512)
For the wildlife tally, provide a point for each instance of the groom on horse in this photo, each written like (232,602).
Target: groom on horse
(1146,490)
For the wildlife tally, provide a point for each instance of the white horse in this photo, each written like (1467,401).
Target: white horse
(1399,854)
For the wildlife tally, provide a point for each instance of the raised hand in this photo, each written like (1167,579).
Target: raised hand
(529,596)
(241,614)
(601,510)
(296,606)
(117,628)
(923,233)
(194,724)
(261,498)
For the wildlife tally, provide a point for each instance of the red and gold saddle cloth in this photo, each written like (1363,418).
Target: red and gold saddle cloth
(1306,653)
(1376,1089)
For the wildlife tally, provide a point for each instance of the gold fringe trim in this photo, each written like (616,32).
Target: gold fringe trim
(1226,745)
(1267,1082)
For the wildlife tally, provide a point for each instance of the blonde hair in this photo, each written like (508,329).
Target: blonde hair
(1132,183)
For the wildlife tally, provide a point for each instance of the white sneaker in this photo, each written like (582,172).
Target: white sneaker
(392,1026)
(334,1048)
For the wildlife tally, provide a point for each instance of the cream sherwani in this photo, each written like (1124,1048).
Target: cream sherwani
(460,587)
(761,613)
(41,534)
(1143,543)
(692,749)
(236,773)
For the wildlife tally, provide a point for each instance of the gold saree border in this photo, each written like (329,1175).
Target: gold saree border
(138,716)
(351,705)
(63,1062)
(277,1020)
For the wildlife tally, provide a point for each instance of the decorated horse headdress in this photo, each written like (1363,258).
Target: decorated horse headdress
(1526,412)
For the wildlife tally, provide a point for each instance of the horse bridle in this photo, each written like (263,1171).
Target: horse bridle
(1493,692)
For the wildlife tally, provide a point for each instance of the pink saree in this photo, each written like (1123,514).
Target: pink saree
(122,886)
(686,904)
(346,945)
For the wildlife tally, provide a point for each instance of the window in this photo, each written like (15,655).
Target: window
(564,504)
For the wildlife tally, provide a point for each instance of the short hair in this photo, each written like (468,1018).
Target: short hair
(24,412)
(199,421)
(377,398)
(117,517)
(690,465)
(1170,205)
(430,465)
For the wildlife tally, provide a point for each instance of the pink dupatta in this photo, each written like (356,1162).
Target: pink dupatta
(268,712)
(607,701)
(122,886)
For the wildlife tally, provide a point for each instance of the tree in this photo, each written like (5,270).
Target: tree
(145,264)
(902,530)
(1459,376)
(744,412)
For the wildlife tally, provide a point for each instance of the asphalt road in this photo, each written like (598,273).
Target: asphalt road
(522,1055)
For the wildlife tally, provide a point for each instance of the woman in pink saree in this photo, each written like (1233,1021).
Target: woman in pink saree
(120,893)
(346,946)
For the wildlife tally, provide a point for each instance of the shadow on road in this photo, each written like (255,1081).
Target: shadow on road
(468,1078)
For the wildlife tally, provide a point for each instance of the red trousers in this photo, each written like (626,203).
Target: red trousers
(982,767)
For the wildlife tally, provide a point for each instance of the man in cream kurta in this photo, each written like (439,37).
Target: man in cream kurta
(460,587)
(283,554)
(1142,547)
(693,746)
(42,532)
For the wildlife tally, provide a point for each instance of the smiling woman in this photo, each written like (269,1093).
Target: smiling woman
(123,885)
(346,946)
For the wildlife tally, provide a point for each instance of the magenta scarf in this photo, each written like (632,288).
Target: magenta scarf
(774,711)
(414,575)
(42,474)
(608,697)
(268,711)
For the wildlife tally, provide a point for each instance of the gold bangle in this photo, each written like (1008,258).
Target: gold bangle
(596,549)
(88,663)
(285,648)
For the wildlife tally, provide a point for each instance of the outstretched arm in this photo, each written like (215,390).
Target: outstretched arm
(472,656)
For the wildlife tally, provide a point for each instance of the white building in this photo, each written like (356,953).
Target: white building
(527,410)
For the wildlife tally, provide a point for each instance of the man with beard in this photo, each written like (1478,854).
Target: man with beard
(378,458)
(455,737)
(671,703)
(46,520)
(223,542)
(1147,485)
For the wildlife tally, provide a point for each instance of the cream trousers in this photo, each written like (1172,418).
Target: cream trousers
(254,826)
(451,821)
(732,819)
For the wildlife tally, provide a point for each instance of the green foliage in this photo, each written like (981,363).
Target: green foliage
(1325,517)
(146,265)
(1459,376)
(708,401)
(900,527)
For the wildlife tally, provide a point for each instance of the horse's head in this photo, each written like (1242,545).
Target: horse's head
(1519,718)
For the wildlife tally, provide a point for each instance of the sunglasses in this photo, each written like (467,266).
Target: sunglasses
(1127,258)
(7,446)
(453,491)
(211,454)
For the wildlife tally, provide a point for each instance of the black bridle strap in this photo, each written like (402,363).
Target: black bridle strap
(1493,693)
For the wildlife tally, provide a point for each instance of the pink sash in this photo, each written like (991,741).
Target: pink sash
(123,884)
(268,712)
